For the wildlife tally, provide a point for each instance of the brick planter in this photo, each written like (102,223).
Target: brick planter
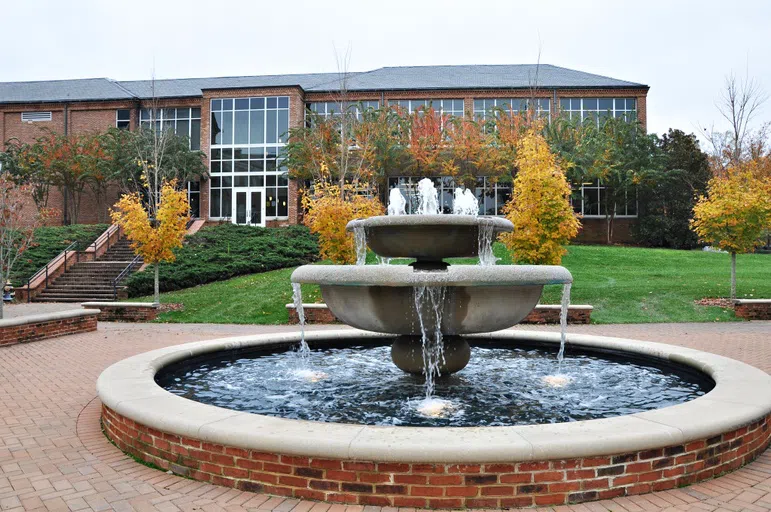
(542,314)
(123,311)
(753,309)
(479,485)
(41,327)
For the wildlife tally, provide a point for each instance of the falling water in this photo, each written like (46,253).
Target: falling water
(381,260)
(563,322)
(396,202)
(429,301)
(485,243)
(297,298)
(429,202)
(464,202)
(360,239)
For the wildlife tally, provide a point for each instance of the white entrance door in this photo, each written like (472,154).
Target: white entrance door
(249,206)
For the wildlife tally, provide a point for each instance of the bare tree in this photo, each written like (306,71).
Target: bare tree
(739,103)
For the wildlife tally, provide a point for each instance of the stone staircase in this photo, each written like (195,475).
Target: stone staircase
(90,280)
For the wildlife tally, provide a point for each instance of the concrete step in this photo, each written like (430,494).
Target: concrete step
(73,299)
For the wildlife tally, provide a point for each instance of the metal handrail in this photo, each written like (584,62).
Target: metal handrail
(104,238)
(44,270)
(123,274)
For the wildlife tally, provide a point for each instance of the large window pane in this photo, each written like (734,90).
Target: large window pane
(257,135)
(216,130)
(242,127)
(227,128)
(195,134)
(270,131)
(214,203)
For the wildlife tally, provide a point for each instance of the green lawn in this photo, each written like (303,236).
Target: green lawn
(624,284)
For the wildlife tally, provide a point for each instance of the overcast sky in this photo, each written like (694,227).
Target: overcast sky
(682,49)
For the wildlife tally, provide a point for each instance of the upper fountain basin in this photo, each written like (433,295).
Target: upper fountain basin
(427,237)
(381,298)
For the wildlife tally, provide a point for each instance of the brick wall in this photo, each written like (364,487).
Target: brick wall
(118,312)
(44,329)
(482,485)
(755,310)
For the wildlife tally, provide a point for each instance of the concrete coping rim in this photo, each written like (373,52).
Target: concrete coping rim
(455,275)
(499,224)
(91,305)
(47,317)
(752,301)
(742,395)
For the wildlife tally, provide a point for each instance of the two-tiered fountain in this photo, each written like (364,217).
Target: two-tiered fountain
(515,425)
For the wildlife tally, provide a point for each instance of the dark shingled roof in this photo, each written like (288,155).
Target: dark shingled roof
(516,76)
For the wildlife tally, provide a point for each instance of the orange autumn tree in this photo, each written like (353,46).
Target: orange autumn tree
(544,221)
(329,210)
(735,213)
(154,238)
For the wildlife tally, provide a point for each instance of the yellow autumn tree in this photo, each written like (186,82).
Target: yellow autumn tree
(544,221)
(154,239)
(735,213)
(328,212)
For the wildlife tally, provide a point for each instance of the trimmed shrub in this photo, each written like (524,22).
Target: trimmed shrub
(220,252)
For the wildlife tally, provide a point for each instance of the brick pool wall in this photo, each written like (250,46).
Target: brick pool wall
(483,485)
(43,329)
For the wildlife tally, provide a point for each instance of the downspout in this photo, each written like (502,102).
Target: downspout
(66,192)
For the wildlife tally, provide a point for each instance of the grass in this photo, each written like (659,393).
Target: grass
(50,241)
(624,284)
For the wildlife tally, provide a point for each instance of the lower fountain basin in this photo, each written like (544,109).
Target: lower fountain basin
(722,430)
(381,298)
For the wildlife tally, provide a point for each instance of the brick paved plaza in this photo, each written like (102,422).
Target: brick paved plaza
(53,455)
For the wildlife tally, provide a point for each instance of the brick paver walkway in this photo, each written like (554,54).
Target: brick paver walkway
(53,455)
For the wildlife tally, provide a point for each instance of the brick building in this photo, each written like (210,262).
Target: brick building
(240,124)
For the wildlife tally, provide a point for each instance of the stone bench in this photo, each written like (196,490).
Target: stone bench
(753,309)
(542,314)
(123,311)
(49,325)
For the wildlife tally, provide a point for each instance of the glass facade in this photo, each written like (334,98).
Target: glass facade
(448,107)
(185,122)
(589,199)
(491,196)
(247,139)
(582,109)
(484,107)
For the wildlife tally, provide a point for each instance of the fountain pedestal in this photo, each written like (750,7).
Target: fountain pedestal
(407,354)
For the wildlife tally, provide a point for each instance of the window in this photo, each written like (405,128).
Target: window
(331,108)
(448,107)
(490,195)
(123,119)
(247,139)
(589,200)
(484,107)
(33,117)
(598,109)
(185,122)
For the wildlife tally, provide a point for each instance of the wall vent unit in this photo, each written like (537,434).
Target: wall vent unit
(29,117)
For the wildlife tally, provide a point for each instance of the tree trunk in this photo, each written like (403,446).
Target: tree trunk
(733,276)
(2,303)
(157,292)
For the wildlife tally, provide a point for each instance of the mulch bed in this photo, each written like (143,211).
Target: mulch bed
(172,306)
(723,303)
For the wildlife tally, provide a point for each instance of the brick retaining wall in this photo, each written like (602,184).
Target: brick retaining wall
(753,309)
(515,484)
(123,311)
(542,314)
(41,327)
